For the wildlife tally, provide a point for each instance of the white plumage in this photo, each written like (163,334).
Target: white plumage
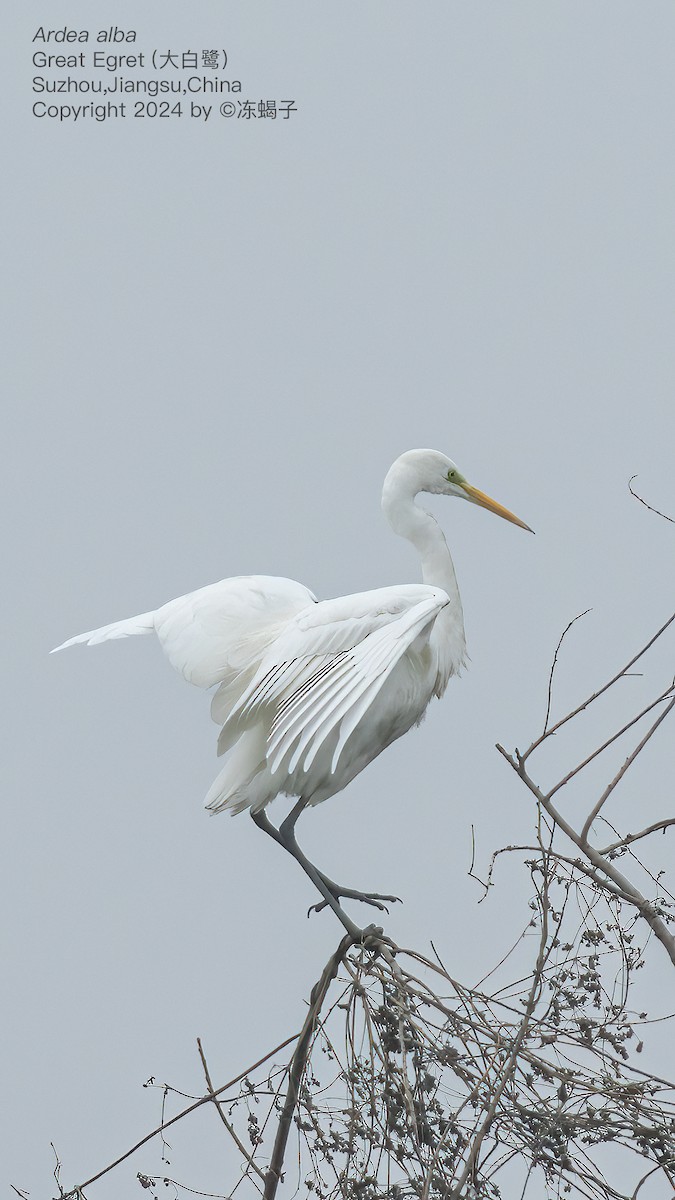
(310,692)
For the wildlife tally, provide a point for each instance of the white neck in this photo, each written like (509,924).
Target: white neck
(419,527)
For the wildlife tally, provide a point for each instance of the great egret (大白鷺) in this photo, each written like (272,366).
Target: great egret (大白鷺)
(309,692)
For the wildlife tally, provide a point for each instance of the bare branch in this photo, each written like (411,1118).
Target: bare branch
(604,867)
(635,837)
(298,1063)
(219,1109)
(554,664)
(609,742)
(600,692)
(629,761)
(76,1191)
(654,1169)
(649,506)
(577,864)
(530,1005)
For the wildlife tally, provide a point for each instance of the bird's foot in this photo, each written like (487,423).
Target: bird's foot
(374,898)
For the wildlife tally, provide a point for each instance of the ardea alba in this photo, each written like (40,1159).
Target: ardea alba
(309,692)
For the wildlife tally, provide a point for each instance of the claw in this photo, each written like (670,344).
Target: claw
(373,898)
(324,904)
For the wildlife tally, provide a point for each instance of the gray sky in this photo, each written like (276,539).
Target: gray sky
(220,336)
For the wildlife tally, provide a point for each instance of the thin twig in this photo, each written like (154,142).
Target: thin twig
(649,506)
(183,1187)
(207,1099)
(600,692)
(620,774)
(630,893)
(57,1171)
(658,1165)
(635,837)
(554,664)
(610,741)
(219,1108)
(578,865)
(530,1005)
(657,880)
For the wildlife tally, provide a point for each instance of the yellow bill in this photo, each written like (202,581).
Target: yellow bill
(487,502)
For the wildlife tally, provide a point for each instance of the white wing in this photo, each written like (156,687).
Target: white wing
(218,634)
(326,668)
(131,627)
(295,670)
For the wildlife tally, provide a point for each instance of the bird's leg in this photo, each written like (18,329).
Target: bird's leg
(287,840)
(286,833)
(263,822)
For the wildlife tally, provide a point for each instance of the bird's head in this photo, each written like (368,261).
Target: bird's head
(431,471)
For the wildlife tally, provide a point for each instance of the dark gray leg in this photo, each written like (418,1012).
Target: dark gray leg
(290,844)
(331,891)
(287,833)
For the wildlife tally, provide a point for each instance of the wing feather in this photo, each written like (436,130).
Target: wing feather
(131,627)
(327,667)
(368,679)
(329,707)
(220,632)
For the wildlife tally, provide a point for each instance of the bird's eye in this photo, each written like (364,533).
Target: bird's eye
(451,475)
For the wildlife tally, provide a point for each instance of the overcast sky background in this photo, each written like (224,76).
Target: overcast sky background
(219,338)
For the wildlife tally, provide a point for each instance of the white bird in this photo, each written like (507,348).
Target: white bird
(309,692)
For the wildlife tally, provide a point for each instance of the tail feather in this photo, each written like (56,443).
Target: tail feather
(132,627)
(243,781)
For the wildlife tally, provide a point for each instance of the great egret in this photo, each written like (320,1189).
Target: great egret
(309,692)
